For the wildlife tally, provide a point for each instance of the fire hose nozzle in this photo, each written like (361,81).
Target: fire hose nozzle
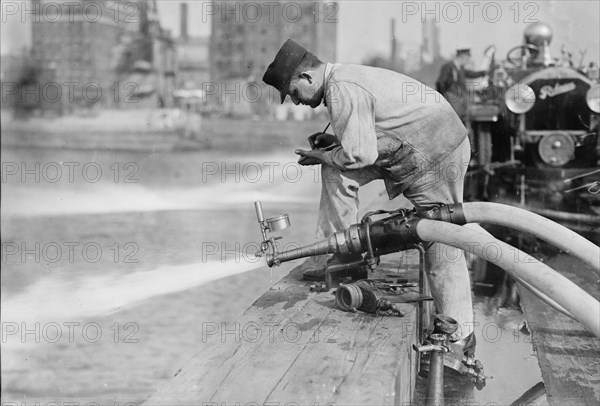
(269,225)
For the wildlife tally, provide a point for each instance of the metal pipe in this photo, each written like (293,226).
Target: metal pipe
(435,386)
(571,297)
(532,395)
(421,306)
(538,226)
(544,298)
(526,285)
(567,216)
(259,211)
(435,380)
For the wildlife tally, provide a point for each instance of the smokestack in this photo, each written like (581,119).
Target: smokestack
(394,53)
(184,20)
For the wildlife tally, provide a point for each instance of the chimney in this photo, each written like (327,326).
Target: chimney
(394,53)
(184,21)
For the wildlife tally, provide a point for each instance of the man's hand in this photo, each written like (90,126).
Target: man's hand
(312,157)
(489,51)
(322,140)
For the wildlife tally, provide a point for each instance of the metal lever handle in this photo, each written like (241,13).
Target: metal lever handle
(259,211)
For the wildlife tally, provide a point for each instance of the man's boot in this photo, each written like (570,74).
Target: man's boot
(465,346)
(313,265)
(316,272)
(458,350)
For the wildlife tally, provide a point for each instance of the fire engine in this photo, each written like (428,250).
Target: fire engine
(535,129)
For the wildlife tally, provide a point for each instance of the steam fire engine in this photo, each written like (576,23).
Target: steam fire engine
(536,131)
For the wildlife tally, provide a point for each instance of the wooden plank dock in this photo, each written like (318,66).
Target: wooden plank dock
(294,346)
(568,355)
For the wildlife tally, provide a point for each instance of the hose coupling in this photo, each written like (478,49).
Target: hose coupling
(365,296)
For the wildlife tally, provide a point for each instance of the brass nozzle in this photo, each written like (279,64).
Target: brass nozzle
(328,246)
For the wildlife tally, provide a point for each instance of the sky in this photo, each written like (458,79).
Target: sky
(364,26)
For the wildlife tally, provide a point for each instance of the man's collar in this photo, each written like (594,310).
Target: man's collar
(326,74)
(328,68)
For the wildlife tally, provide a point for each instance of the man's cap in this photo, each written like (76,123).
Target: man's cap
(463,51)
(280,71)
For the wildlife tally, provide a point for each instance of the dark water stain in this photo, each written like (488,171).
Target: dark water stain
(346,346)
(309,325)
(289,297)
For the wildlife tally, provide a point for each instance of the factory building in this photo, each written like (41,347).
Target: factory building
(87,53)
(245,36)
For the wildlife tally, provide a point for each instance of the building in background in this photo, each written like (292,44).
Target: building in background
(430,60)
(396,63)
(193,70)
(19,78)
(419,60)
(245,40)
(430,47)
(103,53)
(162,55)
(396,60)
(192,62)
(242,47)
(76,52)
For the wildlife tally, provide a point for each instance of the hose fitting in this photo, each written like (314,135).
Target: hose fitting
(436,347)
(453,213)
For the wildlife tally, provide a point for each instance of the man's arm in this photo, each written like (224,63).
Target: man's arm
(473,74)
(352,111)
(445,78)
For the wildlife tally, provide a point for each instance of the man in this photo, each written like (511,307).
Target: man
(386,126)
(452,85)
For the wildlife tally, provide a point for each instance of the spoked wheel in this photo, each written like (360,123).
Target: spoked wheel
(525,50)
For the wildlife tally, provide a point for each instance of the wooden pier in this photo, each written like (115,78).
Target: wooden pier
(293,346)
(568,354)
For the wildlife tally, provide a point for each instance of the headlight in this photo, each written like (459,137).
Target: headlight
(556,149)
(519,98)
(593,98)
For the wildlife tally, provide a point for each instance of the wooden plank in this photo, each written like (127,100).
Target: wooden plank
(294,346)
(202,378)
(569,355)
(359,363)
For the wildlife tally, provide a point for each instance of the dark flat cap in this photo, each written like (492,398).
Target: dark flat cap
(280,71)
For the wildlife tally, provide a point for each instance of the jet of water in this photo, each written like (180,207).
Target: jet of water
(66,299)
